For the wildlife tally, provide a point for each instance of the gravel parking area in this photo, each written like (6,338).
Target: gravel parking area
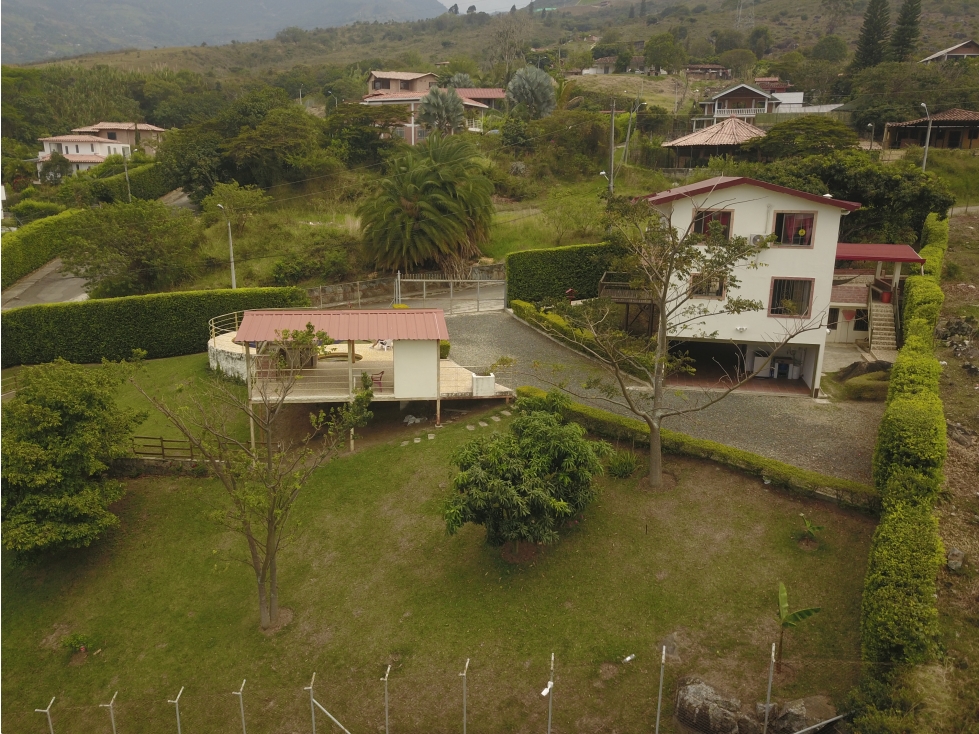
(833,438)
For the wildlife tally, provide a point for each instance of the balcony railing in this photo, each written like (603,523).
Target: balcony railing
(739,112)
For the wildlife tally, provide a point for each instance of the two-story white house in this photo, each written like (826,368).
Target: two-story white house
(82,151)
(793,278)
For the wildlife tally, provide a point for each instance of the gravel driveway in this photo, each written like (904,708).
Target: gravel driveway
(833,438)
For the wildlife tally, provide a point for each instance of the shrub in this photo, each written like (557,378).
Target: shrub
(923,299)
(30,210)
(619,428)
(908,486)
(162,324)
(914,374)
(623,464)
(911,435)
(872,386)
(444,347)
(75,642)
(899,620)
(537,275)
(24,251)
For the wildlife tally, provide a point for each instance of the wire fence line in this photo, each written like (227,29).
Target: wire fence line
(629,693)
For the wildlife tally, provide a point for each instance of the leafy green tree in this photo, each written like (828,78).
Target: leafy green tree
(741,61)
(61,431)
(360,134)
(806,135)
(664,52)
(194,159)
(461,80)
(239,202)
(533,89)
(760,40)
(727,40)
(263,480)
(55,168)
(829,48)
(434,206)
(442,110)
(904,41)
(874,33)
(787,620)
(835,11)
(522,484)
(130,249)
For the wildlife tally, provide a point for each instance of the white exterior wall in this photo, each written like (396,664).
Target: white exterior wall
(753,212)
(106,148)
(416,365)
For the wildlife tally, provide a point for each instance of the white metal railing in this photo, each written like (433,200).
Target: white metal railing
(224,323)
(739,111)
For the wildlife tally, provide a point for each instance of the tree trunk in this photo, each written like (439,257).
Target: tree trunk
(273,591)
(263,607)
(655,456)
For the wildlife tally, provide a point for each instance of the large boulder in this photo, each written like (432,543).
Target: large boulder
(702,709)
(862,367)
(803,712)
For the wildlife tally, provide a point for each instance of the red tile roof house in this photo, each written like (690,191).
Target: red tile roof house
(135,135)
(408,88)
(82,151)
(797,281)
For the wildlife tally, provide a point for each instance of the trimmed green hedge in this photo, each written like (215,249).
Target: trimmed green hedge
(163,324)
(31,246)
(900,621)
(146,182)
(934,239)
(923,299)
(914,373)
(538,275)
(911,435)
(609,425)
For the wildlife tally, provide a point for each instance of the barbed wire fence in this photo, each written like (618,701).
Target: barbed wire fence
(635,692)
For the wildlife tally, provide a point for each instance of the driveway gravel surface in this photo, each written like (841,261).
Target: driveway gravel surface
(833,438)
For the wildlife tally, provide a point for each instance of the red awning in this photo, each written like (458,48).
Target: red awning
(878,253)
(414,324)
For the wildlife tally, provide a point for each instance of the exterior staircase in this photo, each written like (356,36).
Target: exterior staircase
(883,339)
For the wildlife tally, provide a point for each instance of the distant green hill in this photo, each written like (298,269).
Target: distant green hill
(35,30)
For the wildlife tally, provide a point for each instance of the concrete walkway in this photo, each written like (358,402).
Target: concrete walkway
(48,284)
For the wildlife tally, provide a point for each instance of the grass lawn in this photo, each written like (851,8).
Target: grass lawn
(371,578)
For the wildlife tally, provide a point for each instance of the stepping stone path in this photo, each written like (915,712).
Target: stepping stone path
(418,440)
(431,436)
(405,443)
(496,418)
(483,424)
(470,428)
(505,412)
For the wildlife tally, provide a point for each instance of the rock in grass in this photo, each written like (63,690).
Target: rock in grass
(956,558)
(701,708)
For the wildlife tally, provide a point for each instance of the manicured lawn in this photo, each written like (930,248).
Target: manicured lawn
(371,578)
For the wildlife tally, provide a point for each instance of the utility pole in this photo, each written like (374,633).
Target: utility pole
(611,153)
(924,161)
(231,246)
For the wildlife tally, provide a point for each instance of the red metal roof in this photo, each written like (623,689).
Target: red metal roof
(878,253)
(725,182)
(409,324)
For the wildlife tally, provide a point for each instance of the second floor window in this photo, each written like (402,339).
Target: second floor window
(705,286)
(794,229)
(405,85)
(703,218)
(791,297)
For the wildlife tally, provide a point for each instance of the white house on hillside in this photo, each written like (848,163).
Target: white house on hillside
(135,135)
(82,151)
(795,279)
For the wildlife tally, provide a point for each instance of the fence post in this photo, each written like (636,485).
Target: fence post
(477,295)
(659,700)
(385,679)
(241,703)
(312,705)
(451,282)
(47,712)
(768,697)
(176,703)
(464,676)
(358,293)
(163,448)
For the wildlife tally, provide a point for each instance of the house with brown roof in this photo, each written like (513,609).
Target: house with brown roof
(604,65)
(707,71)
(140,135)
(965,50)
(82,151)
(955,128)
(723,138)
(393,82)
(742,100)
(474,101)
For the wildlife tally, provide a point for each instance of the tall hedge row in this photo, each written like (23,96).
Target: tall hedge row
(163,324)
(29,247)
(146,182)
(899,618)
(538,275)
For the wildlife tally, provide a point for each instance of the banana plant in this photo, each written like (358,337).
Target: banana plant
(787,620)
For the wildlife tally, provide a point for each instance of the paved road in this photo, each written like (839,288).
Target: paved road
(45,285)
(834,438)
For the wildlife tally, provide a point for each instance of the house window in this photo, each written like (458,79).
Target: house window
(702,286)
(833,319)
(92,146)
(405,85)
(111,136)
(974,133)
(794,229)
(861,322)
(791,297)
(76,148)
(702,220)
(399,132)
(382,84)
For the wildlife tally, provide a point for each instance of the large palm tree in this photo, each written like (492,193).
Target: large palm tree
(435,206)
(441,110)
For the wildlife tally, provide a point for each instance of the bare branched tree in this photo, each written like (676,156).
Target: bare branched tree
(668,268)
(507,45)
(263,480)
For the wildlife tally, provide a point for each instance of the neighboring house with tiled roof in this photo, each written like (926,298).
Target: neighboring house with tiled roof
(965,50)
(385,82)
(955,128)
(604,65)
(721,139)
(136,135)
(82,151)
(707,71)
(475,101)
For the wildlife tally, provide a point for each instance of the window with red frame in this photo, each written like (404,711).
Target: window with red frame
(703,219)
(794,229)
